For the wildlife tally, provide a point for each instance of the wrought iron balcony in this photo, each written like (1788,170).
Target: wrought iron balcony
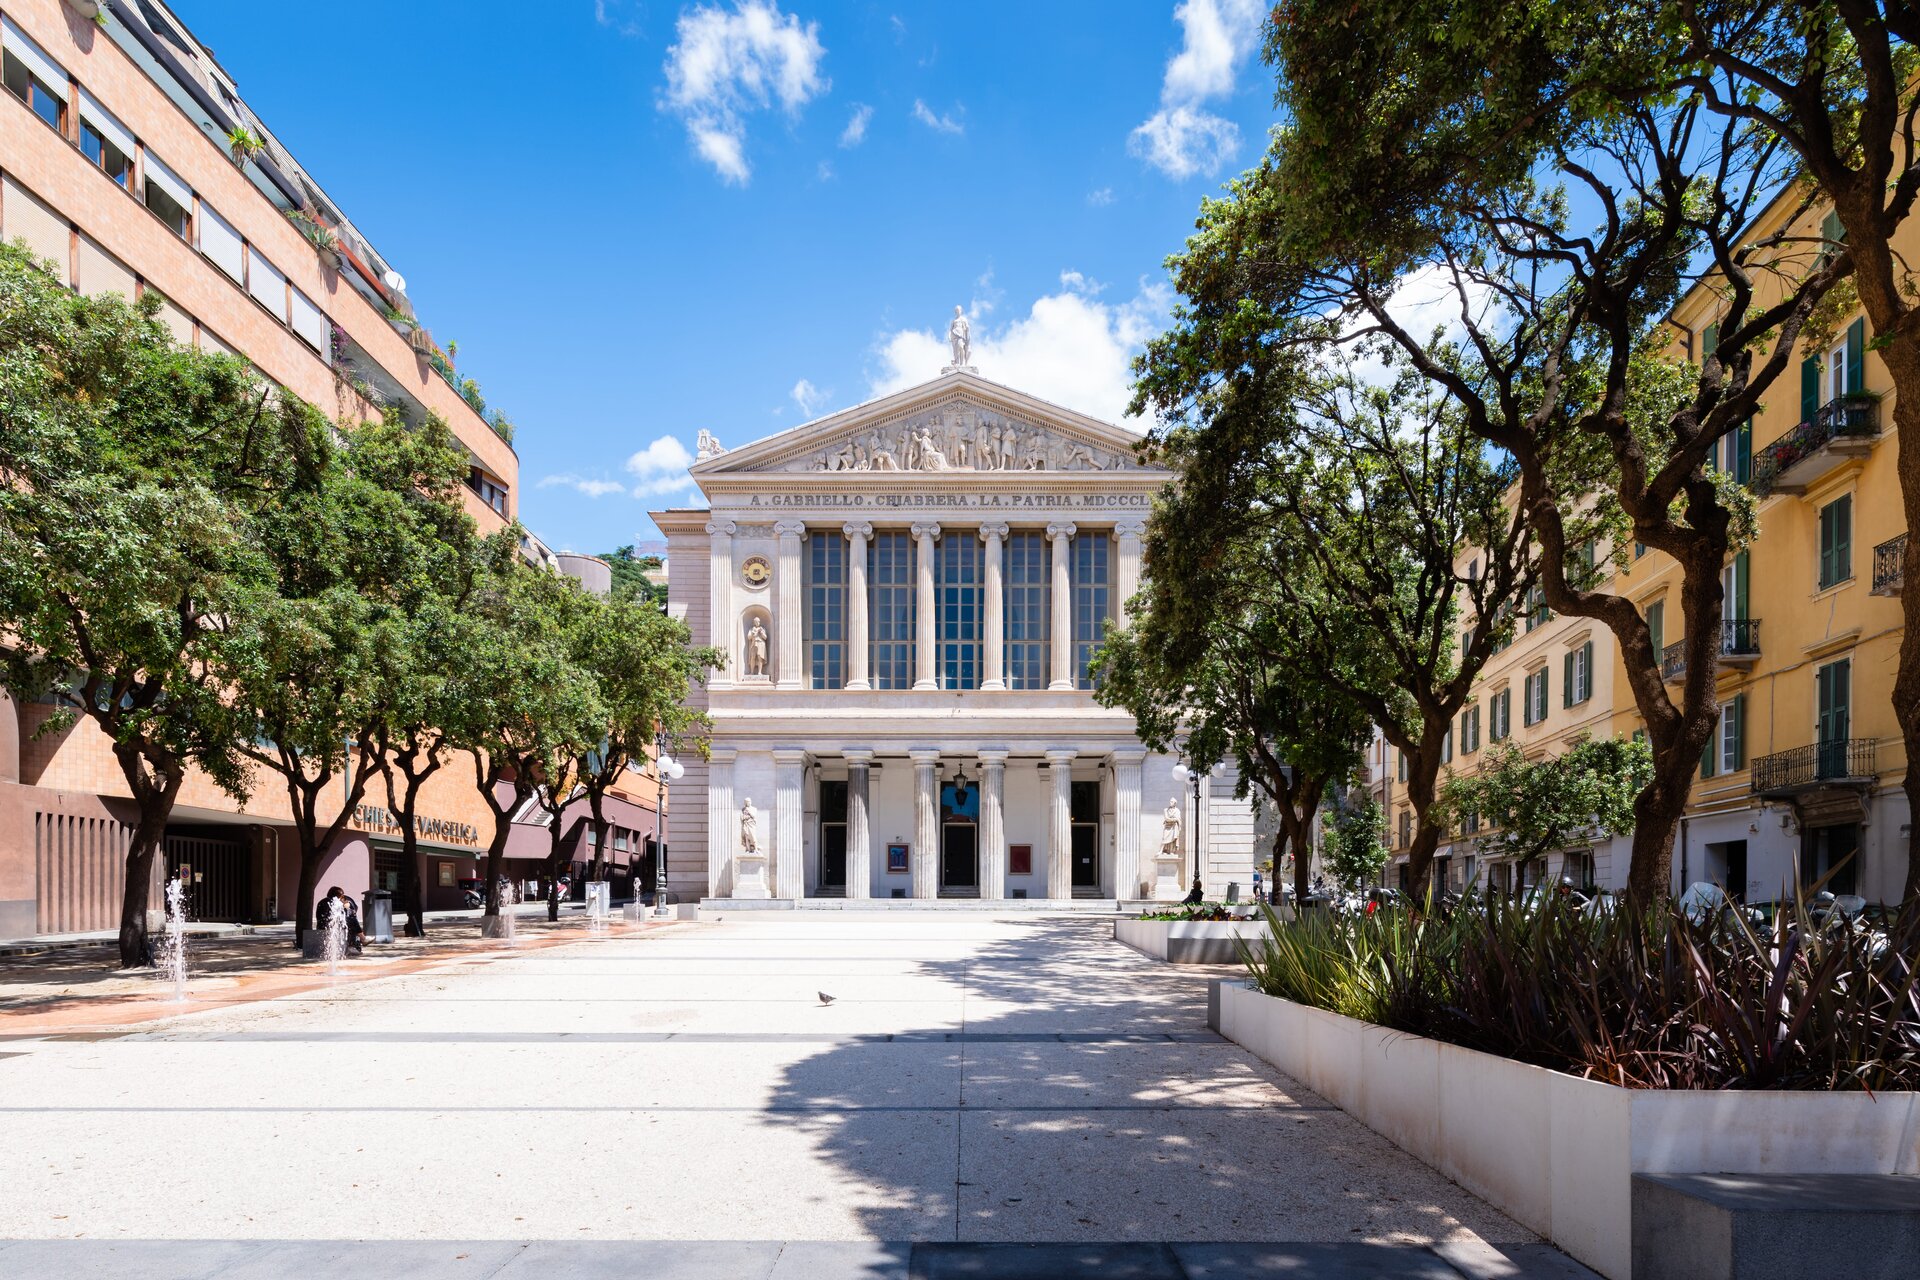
(1837,763)
(1845,427)
(1739,647)
(1889,559)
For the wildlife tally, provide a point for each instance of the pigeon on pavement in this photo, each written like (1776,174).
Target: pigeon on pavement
(825,998)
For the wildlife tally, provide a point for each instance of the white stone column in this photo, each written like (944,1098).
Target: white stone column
(721,844)
(926,823)
(924,625)
(1126,822)
(859,828)
(720,623)
(1060,825)
(993,629)
(787,868)
(1061,536)
(1128,533)
(788,625)
(857,651)
(993,824)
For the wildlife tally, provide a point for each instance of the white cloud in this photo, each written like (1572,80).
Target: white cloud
(727,64)
(856,131)
(1069,348)
(1101,198)
(1074,282)
(592,488)
(1181,139)
(938,123)
(810,398)
(823,172)
(661,467)
(612,13)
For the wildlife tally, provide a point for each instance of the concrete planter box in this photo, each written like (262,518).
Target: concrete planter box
(1189,941)
(1552,1151)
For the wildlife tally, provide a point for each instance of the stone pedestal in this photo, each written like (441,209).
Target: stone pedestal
(1166,878)
(750,876)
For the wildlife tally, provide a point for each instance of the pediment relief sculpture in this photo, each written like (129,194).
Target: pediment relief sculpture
(960,438)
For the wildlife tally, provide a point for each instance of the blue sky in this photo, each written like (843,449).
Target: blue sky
(642,218)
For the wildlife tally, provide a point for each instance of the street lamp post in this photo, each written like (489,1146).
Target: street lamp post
(1181,772)
(665,770)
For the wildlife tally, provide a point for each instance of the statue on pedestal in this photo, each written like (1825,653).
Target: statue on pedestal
(960,338)
(1170,829)
(749,829)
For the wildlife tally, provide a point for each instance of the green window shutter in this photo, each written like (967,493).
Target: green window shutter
(1657,627)
(1586,661)
(1856,357)
(1740,567)
(1743,453)
(1832,231)
(1739,714)
(1566,681)
(1809,388)
(1546,688)
(1709,341)
(1708,752)
(1843,539)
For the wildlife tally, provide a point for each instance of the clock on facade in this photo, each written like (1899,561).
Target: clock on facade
(756,571)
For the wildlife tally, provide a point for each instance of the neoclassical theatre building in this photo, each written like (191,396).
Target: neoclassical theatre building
(908,592)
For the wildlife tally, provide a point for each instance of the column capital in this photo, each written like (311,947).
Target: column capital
(1131,528)
(992,755)
(722,528)
(1061,755)
(858,530)
(790,528)
(721,755)
(857,757)
(995,530)
(789,755)
(1061,529)
(929,530)
(1129,755)
(925,755)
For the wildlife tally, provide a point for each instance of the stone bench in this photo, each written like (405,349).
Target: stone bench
(1778,1226)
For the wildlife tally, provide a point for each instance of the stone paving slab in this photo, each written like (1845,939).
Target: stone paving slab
(758,1260)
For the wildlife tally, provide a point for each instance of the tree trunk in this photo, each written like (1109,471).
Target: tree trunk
(1423,776)
(309,881)
(1902,356)
(149,834)
(496,851)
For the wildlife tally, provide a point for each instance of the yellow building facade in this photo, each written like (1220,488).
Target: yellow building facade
(1805,771)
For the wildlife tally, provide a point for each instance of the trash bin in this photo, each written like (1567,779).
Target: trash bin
(376,915)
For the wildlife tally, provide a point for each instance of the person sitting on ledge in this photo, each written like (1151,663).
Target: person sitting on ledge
(337,900)
(1196,895)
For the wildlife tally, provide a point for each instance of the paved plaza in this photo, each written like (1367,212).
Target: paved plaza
(976,1081)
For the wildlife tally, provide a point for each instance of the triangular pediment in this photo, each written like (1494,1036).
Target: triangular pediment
(959,422)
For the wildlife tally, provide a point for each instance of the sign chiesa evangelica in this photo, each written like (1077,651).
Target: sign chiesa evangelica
(907,592)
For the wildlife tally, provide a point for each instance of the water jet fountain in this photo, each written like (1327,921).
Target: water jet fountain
(172,955)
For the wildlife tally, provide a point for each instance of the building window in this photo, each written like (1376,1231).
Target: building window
(1470,731)
(1733,734)
(1406,827)
(1833,700)
(890,608)
(1577,679)
(1657,627)
(826,610)
(1500,715)
(1537,612)
(957,572)
(1090,562)
(33,78)
(169,198)
(1535,708)
(1836,541)
(100,148)
(1401,772)
(491,491)
(1028,609)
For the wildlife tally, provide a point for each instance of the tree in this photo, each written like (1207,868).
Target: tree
(1353,848)
(128,467)
(1354,516)
(1232,685)
(631,580)
(1495,163)
(1532,807)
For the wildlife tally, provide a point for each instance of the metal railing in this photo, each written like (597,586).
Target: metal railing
(1739,638)
(1889,561)
(1850,416)
(1837,760)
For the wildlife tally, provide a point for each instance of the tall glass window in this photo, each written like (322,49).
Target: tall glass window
(957,571)
(890,608)
(1027,607)
(1092,600)
(826,630)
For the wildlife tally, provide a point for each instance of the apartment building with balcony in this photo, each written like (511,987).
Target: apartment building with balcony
(131,164)
(1804,772)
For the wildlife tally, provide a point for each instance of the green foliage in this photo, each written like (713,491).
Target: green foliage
(1645,999)
(1353,846)
(630,579)
(1533,807)
(1191,911)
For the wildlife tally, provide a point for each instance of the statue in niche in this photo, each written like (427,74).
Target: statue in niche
(1170,829)
(960,338)
(756,649)
(881,457)
(927,453)
(749,828)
